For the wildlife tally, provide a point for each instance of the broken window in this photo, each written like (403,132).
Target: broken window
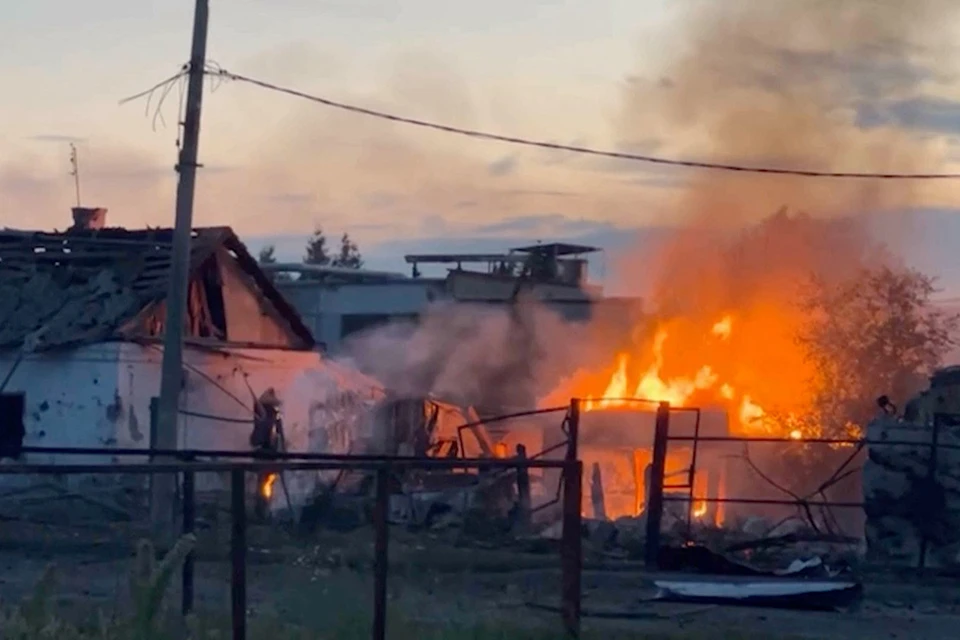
(12,430)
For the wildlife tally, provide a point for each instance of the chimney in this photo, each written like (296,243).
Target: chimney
(88,218)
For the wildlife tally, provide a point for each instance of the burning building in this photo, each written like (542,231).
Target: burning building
(616,447)
(706,399)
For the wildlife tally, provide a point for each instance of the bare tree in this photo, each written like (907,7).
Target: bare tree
(876,333)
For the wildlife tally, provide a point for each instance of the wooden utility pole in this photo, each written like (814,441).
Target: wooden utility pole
(172,372)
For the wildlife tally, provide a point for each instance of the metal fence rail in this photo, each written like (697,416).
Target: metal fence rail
(571,552)
(662,438)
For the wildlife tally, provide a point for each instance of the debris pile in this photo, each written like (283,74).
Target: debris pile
(912,485)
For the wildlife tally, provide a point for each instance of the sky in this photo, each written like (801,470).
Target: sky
(844,85)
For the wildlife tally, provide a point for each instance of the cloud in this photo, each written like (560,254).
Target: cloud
(938,115)
(438,234)
(289,198)
(867,71)
(554,226)
(784,91)
(504,166)
(55,137)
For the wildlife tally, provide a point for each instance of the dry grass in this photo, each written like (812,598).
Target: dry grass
(36,618)
(340,614)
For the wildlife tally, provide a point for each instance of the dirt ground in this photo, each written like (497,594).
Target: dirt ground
(326,577)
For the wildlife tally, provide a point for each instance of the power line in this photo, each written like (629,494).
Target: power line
(472,133)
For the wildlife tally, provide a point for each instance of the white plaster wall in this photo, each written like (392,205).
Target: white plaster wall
(71,400)
(323,402)
(99,396)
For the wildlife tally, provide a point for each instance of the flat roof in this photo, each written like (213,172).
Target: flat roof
(559,248)
(461,257)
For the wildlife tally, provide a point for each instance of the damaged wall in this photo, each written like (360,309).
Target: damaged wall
(99,396)
(321,400)
(250,318)
(70,398)
(912,490)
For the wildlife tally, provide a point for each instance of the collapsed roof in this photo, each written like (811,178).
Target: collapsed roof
(89,285)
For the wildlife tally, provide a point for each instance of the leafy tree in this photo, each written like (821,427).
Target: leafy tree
(349,256)
(317,251)
(875,333)
(267,255)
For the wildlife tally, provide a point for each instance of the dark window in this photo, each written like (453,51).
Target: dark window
(356,322)
(12,431)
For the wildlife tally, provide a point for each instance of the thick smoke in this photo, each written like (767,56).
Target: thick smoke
(798,84)
(791,83)
(473,355)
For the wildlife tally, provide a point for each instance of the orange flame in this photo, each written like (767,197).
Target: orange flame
(652,385)
(723,328)
(736,362)
(267,489)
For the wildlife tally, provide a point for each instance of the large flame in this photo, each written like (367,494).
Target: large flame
(741,363)
(703,382)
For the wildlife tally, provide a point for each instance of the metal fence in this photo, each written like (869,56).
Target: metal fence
(662,438)
(186,465)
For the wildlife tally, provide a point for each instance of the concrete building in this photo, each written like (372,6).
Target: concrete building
(337,302)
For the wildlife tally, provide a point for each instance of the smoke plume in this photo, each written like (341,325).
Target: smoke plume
(791,84)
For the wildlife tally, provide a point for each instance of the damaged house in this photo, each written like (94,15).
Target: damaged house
(81,324)
(81,327)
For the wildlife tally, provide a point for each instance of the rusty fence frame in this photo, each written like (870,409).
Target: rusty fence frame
(662,438)
(571,558)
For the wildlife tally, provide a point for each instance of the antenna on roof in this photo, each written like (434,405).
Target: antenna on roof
(75,170)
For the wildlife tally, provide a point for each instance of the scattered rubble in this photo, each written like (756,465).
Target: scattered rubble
(912,486)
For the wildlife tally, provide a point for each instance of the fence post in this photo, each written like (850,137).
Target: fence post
(154,411)
(189,518)
(571,547)
(938,419)
(596,493)
(238,554)
(523,490)
(381,510)
(655,503)
(571,537)
(573,430)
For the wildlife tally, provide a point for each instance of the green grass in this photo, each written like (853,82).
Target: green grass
(343,616)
